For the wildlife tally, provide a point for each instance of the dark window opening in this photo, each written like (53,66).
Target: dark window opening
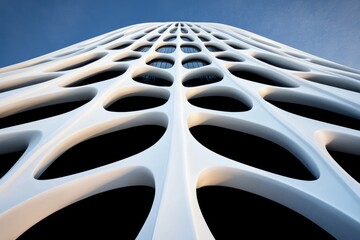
(33,81)
(229,58)
(186,39)
(119,213)
(161,63)
(40,113)
(194,63)
(316,113)
(120,46)
(143,48)
(232,214)
(258,77)
(349,162)
(153,80)
(80,64)
(166,49)
(240,147)
(202,80)
(190,49)
(7,160)
(204,39)
(220,103)
(129,58)
(135,103)
(169,39)
(280,64)
(213,48)
(236,46)
(183,30)
(97,77)
(153,39)
(104,149)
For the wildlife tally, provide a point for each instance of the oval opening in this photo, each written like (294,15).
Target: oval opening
(186,39)
(219,103)
(128,58)
(204,39)
(281,63)
(173,30)
(236,46)
(232,214)
(166,49)
(120,46)
(258,76)
(20,83)
(316,112)
(335,82)
(119,213)
(153,79)
(143,48)
(195,63)
(153,39)
(135,103)
(190,49)
(251,150)
(202,79)
(170,38)
(161,63)
(213,48)
(103,150)
(38,113)
(183,30)
(79,64)
(229,58)
(98,77)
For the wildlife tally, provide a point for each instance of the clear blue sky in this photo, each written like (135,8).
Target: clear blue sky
(326,28)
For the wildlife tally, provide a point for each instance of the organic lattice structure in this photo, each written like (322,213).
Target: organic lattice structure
(187,120)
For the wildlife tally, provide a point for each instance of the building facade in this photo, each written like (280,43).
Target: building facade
(179,130)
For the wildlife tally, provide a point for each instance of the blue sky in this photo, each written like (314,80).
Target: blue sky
(326,28)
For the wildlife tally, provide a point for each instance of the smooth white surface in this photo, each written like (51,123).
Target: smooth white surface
(179,164)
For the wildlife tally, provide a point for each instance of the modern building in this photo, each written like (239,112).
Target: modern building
(179,130)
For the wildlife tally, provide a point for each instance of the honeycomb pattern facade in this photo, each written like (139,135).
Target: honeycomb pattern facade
(188,89)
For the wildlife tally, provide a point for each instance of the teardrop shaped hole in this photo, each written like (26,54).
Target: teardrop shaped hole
(118,213)
(232,214)
(251,150)
(104,149)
